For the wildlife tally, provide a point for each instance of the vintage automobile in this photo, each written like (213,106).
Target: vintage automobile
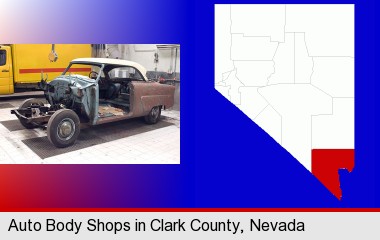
(114,90)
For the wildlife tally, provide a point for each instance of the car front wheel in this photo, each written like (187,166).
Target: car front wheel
(154,115)
(63,128)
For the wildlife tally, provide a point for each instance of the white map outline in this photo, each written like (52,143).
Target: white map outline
(233,86)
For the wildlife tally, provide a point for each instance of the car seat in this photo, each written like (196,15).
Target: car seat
(113,90)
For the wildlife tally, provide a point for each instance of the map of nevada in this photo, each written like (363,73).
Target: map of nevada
(290,68)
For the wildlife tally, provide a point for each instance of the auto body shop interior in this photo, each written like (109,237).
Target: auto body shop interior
(89,104)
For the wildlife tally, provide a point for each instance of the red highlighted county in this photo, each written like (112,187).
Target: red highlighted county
(326,163)
(294,76)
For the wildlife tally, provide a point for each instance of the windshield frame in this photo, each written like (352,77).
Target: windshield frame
(101,66)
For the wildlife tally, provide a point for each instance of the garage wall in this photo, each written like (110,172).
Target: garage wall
(144,54)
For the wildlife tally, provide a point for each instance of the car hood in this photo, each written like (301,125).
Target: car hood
(79,81)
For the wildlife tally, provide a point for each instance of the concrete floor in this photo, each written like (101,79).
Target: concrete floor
(151,144)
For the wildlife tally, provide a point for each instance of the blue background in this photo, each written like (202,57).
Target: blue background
(226,159)
(238,165)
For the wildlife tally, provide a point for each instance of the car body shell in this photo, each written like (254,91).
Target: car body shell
(81,93)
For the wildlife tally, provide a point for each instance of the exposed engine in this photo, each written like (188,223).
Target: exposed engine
(66,91)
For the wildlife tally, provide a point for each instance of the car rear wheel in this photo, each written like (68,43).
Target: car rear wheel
(63,128)
(28,103)
(154,115)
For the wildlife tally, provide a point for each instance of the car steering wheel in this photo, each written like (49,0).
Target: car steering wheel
(91,76)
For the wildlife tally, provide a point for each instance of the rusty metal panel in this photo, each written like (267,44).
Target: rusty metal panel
(146,95)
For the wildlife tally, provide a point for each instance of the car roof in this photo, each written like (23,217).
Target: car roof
(112,61)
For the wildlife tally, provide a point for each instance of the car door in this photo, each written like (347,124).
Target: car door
(6,81)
